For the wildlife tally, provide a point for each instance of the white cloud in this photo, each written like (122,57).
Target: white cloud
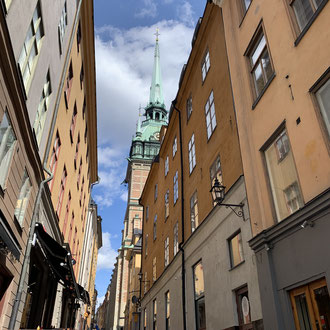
(107,255)
(124,196)
(124,62)
(186,13)
(149,9)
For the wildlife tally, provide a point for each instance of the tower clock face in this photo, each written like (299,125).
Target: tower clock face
(156,135)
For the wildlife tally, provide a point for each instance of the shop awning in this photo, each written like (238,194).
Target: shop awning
(59,258)
(84,295)
(7,238)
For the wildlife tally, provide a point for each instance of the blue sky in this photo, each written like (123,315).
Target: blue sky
(124,46)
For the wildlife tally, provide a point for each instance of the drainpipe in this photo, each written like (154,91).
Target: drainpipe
(27,254)
(182,226)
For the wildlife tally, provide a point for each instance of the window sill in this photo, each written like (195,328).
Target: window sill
(263,91)
(311,21)
(232,268)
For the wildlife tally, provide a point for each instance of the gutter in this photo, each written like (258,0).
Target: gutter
(27,254)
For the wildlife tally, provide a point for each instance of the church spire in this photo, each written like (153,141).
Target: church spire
(156,90)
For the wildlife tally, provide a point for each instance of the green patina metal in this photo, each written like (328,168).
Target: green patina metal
(146,144)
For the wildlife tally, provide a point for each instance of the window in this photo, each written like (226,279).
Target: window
(310,306)
(81,75)
(145,320)
(7,4)
(261,66)
(323,99)
(67,211)
(23,198)
(199,296)
(81,190)
(283,177)
(166,166)
(167,204)
(192,153)
(71,226)
(76,154)
(176,239)
(84,111)
(31,47)
(39,121)
(243,306)
(245,4)
(7,145)
(68,85)
(215,172)
(73,122)
(62,26)
(146,245)
(78,36)
(54,157)
(154,270)
(154,320)
(235,249)
(194,211)
(147,213)
(167,251)
(205,65)
(79,174)
(155,227)
(61,193)
(167,310)
(304,11)
(145,282)
(175,146)
(156,191)
(189,108)
(211,120)
(175,187)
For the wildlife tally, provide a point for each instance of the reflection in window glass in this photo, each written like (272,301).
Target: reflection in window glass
(199,296)
(283,177)
(236,250)
(323,98)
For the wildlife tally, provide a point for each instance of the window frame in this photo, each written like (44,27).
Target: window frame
(176,238)
(200,297)
(166,165)
(192,211)
(154,314)
(204,67)
(263,149)
(252,47)
(174,146)
(167,310)
(53,162)
(9,156)
(62,26)
(167,251)
(155,228)
(208,115)
(167,204)
(298,31)
(242,291)
(192,153)
(230,250)
(176,187)
(319,84)
(189,107)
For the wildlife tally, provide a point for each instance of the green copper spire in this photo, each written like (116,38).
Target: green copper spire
(156,90)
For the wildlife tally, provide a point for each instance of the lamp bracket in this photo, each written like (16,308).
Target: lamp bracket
(231,206)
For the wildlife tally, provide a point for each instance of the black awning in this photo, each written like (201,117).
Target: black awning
(84,295)
(58,257)
(7,238)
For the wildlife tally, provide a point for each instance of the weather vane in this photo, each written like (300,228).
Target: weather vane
(157,34)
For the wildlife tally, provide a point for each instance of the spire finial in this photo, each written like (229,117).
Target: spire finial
(157,34)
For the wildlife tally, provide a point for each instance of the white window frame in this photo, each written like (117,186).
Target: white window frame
(39,122)
(175,187)
(211,120)
(322,106)
(205,65)
(33,41)
(166,165)
(192,153)
(176,238)
(175,146)
(23,198)
(167,251)
(7,147)
(193,215)
(62,26)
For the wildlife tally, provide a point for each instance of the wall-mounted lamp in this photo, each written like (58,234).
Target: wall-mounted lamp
(218,192)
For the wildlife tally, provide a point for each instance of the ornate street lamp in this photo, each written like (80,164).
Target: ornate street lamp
(218,193)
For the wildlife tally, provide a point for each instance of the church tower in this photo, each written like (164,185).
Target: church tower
(144,148)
